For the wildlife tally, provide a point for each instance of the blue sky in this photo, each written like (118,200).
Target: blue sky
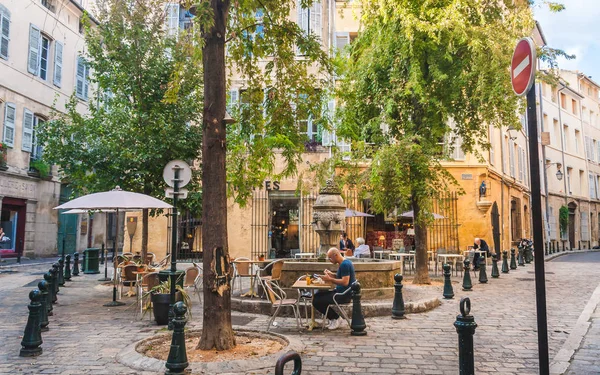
(576,30)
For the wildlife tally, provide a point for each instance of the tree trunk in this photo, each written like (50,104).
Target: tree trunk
(144,234)
(217,332)
(421,256)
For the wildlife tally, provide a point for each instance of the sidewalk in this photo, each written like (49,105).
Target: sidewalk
(12,262)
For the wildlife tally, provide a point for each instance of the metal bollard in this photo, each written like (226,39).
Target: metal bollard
(61,272)
(513,262)
(32,337)
(505,261)
(467,285)
(398,304)
(495,272)
(287,357)
(49,298)
(67,274)
(76,264)
(43,288)
(465,327)
(83,262)
(358,320)
(448,291)
(55,272)
(528,254)
(52,272)
(177,361)
(105,255)
(546,246)
(482,271)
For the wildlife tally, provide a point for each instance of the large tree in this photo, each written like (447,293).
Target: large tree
(420,75)
(136,122)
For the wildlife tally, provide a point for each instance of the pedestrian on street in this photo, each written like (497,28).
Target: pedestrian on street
(481,245)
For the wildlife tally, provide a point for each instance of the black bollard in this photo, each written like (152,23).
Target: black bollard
(32,337)
(76,264)
(546,246)
(505,261)
(55,273)
(49,298)
(68,268)
(61,272)
(513,262)
(105,252)
(448,291)
(467,285)
(521,258)
(177,361)
(358,321)
(83,262)
(482,271)
(528,254)
(54,284)
(43,288)
(495,272)
(398,304)
(465,327)
(287,357)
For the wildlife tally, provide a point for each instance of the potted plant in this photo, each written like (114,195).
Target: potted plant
(160,296)
(40,167)
(261,257)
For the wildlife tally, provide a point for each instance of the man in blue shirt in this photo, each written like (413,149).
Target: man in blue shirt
(343,279)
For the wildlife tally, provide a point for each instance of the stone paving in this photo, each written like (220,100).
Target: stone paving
(84,337)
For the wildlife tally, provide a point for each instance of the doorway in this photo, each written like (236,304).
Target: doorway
(572,208)
(284,229)
(67,225)
(12,221)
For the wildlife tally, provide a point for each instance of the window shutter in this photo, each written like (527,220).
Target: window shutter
(316,16)
(58,61)
(4,35)
(86,80)
(302,17)
(520,164)
(9,124)
(492,155)
(585,229)
(172,19)
(81,85)
(342,39)
(27,130)
(592,186)
(34,50)
(511,157)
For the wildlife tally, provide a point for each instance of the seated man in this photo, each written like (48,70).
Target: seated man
(362,249)
(342,279)
(479,245)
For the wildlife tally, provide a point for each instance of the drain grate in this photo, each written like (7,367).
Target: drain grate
(33,283)
(240,320)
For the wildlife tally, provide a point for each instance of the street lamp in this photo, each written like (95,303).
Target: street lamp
(559,174)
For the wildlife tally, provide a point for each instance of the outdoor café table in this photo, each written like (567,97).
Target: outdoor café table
(380,254)
(445,257)
(402,257)
(481,253)
(252,275)
(301,284)
(304,255)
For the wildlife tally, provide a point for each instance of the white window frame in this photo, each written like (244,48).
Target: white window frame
(520,161)
(172,19)
(592,186)
(4,32)
(342,39)
(33,57)
(552,224)
(511,157)
(9,125)
(585,225)
(36,149)
(44,59)
(310,19)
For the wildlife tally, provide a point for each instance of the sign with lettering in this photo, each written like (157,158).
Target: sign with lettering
(271,186)
(14,187)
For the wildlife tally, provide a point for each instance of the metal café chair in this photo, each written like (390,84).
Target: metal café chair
(335,303)
(278,299)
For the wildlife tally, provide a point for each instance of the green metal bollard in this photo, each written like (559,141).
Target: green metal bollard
(43,288)
(467,284)
(513,262)
(177,361)
(465,327)
(398,304)
(495,272)
(287,357)
(505,261)
(83,262)
(76,264)
(61,272)
(482,271)
(67,275)
(448,291)
(49,297)
(55,272)
(32,337)
(358,320)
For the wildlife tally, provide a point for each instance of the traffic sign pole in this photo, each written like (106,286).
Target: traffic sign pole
(523,83)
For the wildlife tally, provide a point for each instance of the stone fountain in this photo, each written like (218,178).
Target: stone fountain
(329,216)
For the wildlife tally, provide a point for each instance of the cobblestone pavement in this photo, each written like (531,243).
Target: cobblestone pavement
(85,337)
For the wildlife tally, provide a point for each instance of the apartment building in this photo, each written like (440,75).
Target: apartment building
(40,66)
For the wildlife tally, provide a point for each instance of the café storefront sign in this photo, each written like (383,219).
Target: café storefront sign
(15,187)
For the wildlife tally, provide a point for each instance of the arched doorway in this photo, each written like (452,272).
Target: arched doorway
(515,219)
(526,223)
(572,208)
(496,228)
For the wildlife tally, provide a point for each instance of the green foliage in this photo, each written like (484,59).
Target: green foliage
(563,219)
(164,287)
(41,167)
(136,122)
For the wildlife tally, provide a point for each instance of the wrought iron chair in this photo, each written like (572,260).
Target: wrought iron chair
(278,299)
(335,303)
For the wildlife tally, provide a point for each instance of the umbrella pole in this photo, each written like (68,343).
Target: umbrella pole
(114,301)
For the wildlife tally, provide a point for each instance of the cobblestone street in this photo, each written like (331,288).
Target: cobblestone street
(84,337)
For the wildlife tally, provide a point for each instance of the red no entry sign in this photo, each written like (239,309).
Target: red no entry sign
(522,67)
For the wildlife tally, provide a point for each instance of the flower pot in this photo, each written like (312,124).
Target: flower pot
(160,307)
(261,258)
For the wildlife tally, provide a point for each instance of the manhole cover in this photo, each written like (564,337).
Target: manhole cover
(239,320)
(33,283)
(525,279)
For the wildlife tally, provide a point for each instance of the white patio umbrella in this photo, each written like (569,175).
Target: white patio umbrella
(411,214)
(116,199)
(353,213)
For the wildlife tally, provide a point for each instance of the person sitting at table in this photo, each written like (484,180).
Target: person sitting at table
(343,279)
(362,249)
(479,245)
(346,245)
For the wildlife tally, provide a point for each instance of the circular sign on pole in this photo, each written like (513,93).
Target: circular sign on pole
(185,173)
(522,67)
